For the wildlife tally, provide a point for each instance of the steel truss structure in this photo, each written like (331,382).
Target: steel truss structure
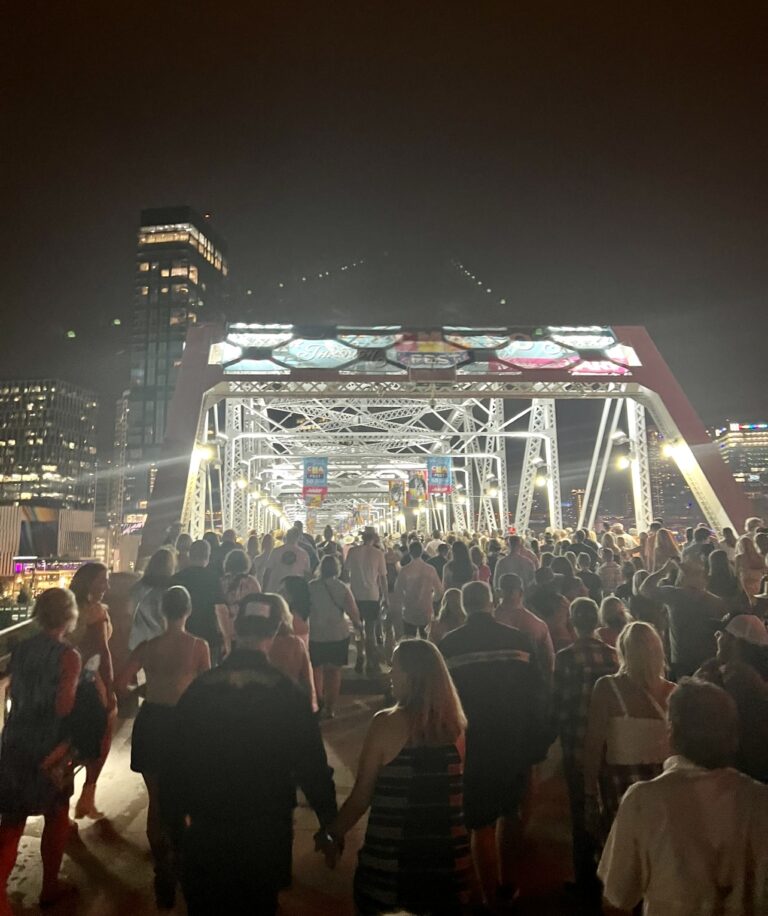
(378,401)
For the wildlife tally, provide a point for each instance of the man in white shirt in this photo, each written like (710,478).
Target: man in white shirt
(367,571)
(609,571)
(514,562)
(693,840)
(431,547)
(288,560)
(416,588)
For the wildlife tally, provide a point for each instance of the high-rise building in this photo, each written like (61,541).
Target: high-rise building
(47,443)
(181,268)
(744,447)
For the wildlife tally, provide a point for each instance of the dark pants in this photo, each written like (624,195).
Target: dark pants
(584,848)
(229,873)
(412,629)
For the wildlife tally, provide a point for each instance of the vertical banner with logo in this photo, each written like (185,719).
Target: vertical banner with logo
(439,475)
(396,494)
(417,488)
(315,479)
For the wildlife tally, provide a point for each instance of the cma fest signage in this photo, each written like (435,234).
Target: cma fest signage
(439,475)
(315,480)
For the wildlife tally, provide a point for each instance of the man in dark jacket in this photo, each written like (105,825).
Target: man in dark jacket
(506,698)
(245,738)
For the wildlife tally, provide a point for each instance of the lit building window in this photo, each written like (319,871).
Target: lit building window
(144,290)
(144,266)
(165,272)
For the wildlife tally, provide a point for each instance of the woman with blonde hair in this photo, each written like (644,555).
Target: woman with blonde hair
(451,615)
(44,672)
(613,618)
(750,566)
(627,729)
(416,851)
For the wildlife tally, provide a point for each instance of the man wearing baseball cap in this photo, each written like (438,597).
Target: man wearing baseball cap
(741,668)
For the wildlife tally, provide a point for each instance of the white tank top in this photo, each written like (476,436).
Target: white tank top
(635,739)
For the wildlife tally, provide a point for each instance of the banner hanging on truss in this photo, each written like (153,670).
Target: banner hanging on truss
(439,475)
(315,479)
(417,488)
(396,494)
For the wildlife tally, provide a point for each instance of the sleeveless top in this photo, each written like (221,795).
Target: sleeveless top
(416,851)
(33,729)
(636,739)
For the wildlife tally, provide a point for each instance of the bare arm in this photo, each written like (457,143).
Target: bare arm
(597,733)
(359,800)
(650,588)
(203,656)
(224,618)
(130,669)
(69,674)
(351,608)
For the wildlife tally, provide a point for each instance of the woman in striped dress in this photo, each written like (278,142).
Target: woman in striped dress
(416,853)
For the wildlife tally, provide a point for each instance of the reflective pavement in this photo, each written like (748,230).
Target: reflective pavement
(109,861)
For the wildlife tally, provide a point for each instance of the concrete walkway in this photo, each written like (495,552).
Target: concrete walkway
(110,862)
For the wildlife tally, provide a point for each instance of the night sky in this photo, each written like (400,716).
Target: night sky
(606,165)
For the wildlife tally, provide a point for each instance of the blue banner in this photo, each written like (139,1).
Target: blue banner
(439,475)
(315,476)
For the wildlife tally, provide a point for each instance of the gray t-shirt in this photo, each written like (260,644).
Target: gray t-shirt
(330,600)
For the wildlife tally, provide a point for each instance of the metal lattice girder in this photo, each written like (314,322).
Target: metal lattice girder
(553,465)
(531,465)
(640,465)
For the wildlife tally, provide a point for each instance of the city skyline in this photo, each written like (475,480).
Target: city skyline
(616,177)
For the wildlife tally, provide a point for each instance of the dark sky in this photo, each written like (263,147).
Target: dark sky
(592,162)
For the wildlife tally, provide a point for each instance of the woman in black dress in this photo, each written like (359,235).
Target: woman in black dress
(416,853)
(34,777)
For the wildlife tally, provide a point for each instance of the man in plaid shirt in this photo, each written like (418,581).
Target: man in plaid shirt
(577,668)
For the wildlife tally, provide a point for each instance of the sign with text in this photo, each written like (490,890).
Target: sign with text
(315,477)
(439,475)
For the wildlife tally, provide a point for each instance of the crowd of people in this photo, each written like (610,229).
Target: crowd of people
(641,661)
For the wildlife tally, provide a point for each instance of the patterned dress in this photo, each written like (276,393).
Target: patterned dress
(416,852)
(33,729)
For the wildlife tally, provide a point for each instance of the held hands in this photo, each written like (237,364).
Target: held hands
(331,847)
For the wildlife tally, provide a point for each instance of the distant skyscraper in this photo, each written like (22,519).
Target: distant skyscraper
(181,268)
(47,443)
(744,447)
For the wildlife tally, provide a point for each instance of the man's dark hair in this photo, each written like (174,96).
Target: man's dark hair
(369,535)
(584,615)
(442,550)
(200,551)
(176,602)
(704,723)
(656,526)
(415,550)
(701,535)
(608,554)
(511,584)
(514,541)
(578,536)
(544,575)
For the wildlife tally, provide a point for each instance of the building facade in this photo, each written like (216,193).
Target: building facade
(47,444)
(181,269)
(744,447)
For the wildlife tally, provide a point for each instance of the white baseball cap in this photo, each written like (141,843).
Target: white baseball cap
(749,628)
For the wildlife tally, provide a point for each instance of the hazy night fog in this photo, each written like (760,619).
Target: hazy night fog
(591,165)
